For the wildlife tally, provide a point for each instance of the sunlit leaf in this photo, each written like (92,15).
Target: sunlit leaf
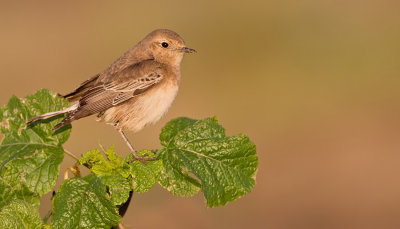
(32,155)
(224,166)
(145,175)
(118,187)
(83,203)
(19,215)
(99,165)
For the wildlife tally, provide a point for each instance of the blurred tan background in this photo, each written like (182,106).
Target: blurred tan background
(315,84)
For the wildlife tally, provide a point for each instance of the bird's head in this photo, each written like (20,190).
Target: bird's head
(166,46)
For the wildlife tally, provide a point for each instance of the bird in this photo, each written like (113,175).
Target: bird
(137,89)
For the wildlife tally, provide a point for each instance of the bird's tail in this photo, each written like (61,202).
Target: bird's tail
(54,114)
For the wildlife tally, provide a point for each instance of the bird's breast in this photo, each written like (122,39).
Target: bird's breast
(144,109)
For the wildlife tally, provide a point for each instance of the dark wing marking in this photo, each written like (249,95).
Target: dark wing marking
(120,98)
(139,86)
(139,83)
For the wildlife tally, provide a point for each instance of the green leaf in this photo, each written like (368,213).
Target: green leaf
(173,178)
(32,155)
(17,112)
(99,165)
(113,171)
(144,175)
(225,166)
(10,192)
(118,187)
(178,183)
(19,214)
(38,172)
(83,203)
(173,127)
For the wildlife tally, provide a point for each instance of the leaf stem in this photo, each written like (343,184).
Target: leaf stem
(71,154)
(47,216)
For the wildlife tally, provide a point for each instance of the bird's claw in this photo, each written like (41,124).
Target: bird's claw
(144,160)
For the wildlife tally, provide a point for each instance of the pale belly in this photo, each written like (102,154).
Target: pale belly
(142,110)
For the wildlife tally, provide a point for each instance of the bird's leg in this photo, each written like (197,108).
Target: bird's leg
(135,155)
(129,144)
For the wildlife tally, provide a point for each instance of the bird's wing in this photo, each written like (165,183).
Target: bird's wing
(130,89)
(117,89)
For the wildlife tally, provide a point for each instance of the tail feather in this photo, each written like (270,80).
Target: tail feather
(46,116)
(66,121)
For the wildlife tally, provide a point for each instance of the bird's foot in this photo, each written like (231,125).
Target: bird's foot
(143,159)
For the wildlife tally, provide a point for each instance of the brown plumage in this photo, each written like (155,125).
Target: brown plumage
(136,90)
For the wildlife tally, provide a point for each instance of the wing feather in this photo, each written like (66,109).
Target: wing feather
(103,97)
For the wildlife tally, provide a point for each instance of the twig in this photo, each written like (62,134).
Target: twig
(102,148)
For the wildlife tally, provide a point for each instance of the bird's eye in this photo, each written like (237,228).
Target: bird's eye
(164,44)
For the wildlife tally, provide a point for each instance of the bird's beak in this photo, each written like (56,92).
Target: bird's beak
(188,50)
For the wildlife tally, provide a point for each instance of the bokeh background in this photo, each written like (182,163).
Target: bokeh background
(315,84)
